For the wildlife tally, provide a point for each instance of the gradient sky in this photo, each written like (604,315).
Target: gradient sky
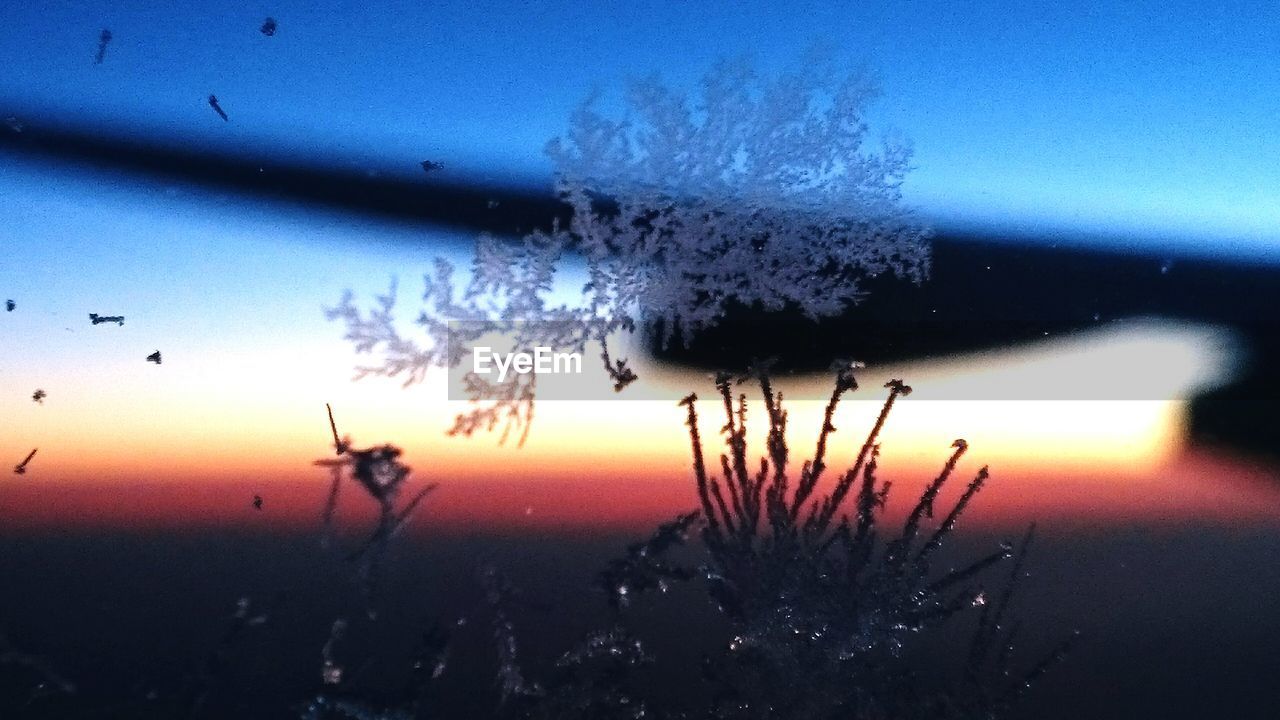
(1144,123)
(1132,123)
(231,291)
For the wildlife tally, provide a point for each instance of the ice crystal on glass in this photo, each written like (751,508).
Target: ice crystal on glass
(757,192)
(821,598)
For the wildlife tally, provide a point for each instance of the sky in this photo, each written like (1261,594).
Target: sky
(232,292)
(1139,123)
(1149,124)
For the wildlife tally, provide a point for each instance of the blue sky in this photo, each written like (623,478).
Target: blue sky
(1140,122)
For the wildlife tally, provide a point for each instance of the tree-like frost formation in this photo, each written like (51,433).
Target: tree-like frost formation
(758,192)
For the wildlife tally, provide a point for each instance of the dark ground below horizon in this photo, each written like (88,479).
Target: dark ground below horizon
(1175,623)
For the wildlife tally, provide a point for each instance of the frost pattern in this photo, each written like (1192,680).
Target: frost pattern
(380,473)
(824,604)
(820,595)
(753,192)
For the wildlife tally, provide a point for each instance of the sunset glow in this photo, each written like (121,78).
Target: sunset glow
(249,362)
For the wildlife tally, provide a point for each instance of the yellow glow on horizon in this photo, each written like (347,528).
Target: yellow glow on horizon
(262,414)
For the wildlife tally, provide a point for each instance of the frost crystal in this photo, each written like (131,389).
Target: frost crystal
(379,471)
(754,192)
(821,597)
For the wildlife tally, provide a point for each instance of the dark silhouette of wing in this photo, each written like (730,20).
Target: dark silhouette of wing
(984,292)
